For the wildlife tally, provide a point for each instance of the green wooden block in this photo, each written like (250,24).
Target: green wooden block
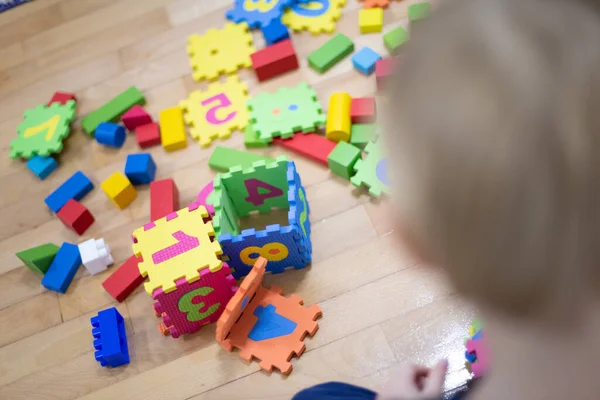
(224,158)
(361,134)
(342,159)
(418,11)
(395,38)
(113,110)
(38,259)
(330,53)
(252,141)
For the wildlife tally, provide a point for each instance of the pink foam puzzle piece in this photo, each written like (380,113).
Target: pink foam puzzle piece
(136,116)
(480,366)
(202,198)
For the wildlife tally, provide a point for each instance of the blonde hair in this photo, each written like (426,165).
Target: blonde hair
(495,136)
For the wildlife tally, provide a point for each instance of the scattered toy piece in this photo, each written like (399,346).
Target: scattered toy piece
(59,275)
(274,60)
(395,38)
(140,168)
(342,160)
(77,186)
(274,32)
(257,13)
(39,258)
(95,255)
(365,59)
(148,135)
(110,134)
(330,53)
(370,20)
(124,280)
(376,3)
(113,110)
(252,141)
(62,98)
(223,158)
(75,216)
(362,110)
(119,190)
(172,129)
(362,134)
(338,117)
(418,11)
(41,166)
(134,117)
(316,16)
(309,145)
(110,338)
(383,69)
(164,198)
(372,171)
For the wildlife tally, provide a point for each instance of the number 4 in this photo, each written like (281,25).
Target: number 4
(255,197)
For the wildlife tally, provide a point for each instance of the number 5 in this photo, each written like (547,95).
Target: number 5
(211,114)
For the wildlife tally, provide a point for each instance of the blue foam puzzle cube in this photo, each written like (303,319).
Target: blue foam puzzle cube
(275,32)
(42,166)
(140,168)
(77,186)
(110,338)
(110,134)
(365,59)
(63,268)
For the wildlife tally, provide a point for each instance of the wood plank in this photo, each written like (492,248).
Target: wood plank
(37,23)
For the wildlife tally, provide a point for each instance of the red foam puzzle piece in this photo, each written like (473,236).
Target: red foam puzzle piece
(75,216)
(134,117)
(362,110)
(164,198)
(309,145)
(274,60)
(124,280)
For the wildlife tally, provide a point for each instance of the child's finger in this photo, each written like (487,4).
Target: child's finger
(435,380)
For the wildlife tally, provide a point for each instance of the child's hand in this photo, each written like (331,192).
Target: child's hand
(416,382)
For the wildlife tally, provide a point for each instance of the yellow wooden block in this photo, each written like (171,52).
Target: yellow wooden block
(370,20)
(338,117)
(119,190)
(172,129)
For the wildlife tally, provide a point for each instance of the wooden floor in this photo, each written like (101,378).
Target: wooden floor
(380,307)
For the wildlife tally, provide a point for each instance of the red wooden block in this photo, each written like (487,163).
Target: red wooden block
(362,110)
(383,69)
(75,216)
(134,117)
(274,60)
(124,280)
(62,98)
(164,198)
(148,135)
(309,145)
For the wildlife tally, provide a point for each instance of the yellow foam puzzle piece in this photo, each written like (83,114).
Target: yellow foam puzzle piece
(314,16)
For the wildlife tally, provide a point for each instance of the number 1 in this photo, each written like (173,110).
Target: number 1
(184,244)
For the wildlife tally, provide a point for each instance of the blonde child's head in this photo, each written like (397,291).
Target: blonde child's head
(494,132)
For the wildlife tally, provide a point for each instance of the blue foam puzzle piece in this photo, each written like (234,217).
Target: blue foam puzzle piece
(275,32)
(77,186)
(140,168)
(471,357)
(255,18)
(63,268)
(110,338)
(110,134)
(42,166)
(478,335)
(270,325)
(364,60)
(299,213)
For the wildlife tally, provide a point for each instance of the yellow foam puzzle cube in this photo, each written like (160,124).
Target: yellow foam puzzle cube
(370,20)
(119,190)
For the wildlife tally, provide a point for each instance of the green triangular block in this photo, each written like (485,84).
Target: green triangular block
(38,259)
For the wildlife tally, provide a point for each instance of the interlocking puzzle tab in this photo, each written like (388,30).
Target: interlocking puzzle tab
(193,305)
(110,338)
(257,13)
(177,246)
(217,111)
(286,111)
(262,187)
(316,16)
(220,51)
(264,325)
(372,171)
(43,130)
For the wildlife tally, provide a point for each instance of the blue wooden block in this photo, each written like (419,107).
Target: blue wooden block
(42,166)
(110,134)
(140,168)
(110,338)
(63,268)
(275,32)
(364,60)
(77,186)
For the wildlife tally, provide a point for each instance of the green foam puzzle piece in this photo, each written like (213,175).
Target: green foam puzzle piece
(244,193)
(252,141)
(342,158)
(38,259)
(285,112)
(223,158)
(395,38)
(418,11)
(372,171)
(330,53)
(226,219)
(43,130)
(113,110)
(361,134)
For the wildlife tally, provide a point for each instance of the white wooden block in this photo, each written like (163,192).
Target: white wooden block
(95,255)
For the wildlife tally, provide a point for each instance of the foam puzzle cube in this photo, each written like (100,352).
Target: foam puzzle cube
(261,188)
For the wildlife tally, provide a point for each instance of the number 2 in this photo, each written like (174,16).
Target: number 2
(256,198)
(211,114)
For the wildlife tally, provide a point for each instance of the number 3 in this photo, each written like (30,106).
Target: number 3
(211,114)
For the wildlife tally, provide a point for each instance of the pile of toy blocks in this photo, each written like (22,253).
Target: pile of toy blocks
(477,353)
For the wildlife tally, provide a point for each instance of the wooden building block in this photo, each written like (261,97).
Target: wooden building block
(77,186)
(362,110)
(395,38)
(309,145)
(124,280)
(119,190)
(63,268)
(113,110)
(370,20)
(342,159)
(223,158)
(39,258)
(110,134)
(418,11)
(134,117)
(164,198)
(275,32)
(362,134)
(140,168)
(383,69)
(42,166)
(75,216)
(365,59)
(172,129)
(148,135)
(338,117)
(62,98)
(330,53)
(274,60)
